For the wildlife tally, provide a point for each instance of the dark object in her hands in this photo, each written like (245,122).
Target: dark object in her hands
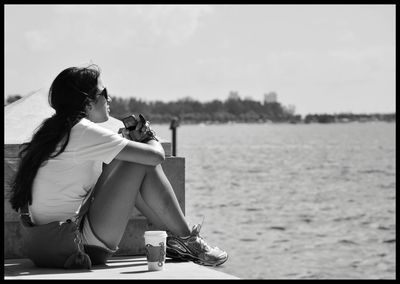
(130,123)
(142,119)
(151,135)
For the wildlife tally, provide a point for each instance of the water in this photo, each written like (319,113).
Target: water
(294,201)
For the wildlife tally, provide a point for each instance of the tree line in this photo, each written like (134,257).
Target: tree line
(189,110)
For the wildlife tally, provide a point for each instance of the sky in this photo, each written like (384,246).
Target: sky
(318,58)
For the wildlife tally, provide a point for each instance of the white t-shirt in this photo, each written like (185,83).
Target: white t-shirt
(62,183)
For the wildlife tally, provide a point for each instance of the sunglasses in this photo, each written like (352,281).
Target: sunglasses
(104,93)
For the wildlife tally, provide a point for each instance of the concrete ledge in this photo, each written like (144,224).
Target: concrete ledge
(116,268)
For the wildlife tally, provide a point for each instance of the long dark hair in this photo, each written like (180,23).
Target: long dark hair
(71,91)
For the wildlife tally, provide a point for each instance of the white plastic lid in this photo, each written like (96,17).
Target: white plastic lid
(155,233)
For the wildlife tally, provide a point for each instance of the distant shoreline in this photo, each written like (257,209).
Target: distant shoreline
(271,122)
(294,119)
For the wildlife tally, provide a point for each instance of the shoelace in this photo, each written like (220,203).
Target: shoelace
(200,239)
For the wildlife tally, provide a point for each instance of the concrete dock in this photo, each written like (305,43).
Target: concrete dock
(124,267)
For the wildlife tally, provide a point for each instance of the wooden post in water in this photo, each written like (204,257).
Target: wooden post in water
(173,126)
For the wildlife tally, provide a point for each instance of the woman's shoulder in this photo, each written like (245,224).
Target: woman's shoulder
(85,125)
(82,125)
(85,122)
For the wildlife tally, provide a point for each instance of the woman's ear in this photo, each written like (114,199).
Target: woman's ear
(88,107)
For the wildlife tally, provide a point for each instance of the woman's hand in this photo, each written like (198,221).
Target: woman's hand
(142,132)
(125,133)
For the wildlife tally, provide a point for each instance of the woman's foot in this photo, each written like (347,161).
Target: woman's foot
(194,248)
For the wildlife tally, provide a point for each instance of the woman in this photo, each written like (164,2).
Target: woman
(70,158)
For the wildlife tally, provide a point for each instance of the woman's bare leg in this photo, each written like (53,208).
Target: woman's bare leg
(151,216)
(114,198)
(157,193)
(116,193)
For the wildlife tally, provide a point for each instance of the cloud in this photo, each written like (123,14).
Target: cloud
(38,40)
(122,25)
(176,23)
(347,36)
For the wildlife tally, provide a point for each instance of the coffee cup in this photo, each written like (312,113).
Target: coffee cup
(155,246)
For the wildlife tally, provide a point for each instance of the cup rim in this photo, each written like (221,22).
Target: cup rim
(155,233)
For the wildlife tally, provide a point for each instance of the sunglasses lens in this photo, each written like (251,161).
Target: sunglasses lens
(104,94)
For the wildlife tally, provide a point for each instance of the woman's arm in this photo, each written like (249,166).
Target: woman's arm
(150,153)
